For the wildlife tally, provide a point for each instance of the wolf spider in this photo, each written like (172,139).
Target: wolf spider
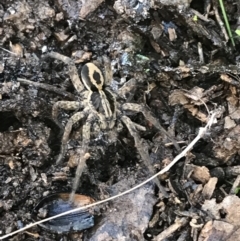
(100,105)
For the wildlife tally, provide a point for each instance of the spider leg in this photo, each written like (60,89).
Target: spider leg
(72,70)
(66,105)
(83,155)
(68,128)
(142,148)
(128,89)
(148,115)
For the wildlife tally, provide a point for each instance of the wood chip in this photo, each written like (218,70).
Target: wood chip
(61,36)
(209,188)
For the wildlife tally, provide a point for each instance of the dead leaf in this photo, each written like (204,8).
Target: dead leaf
(216,230)
(178,97)
(195,94)
(230,206)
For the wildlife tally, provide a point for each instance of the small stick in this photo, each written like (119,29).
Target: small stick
(46,87)
(204,18)
(171,229)
(220,23)
(200,52)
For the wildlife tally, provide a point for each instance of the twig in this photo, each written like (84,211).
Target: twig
(171,229)
(204,18)
(46,87)
(8,51)
(200,52)
(220,23)
(202,131)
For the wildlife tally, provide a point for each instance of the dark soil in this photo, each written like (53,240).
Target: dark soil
(156,45)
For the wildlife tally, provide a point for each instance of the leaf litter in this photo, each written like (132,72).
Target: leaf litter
(190,80)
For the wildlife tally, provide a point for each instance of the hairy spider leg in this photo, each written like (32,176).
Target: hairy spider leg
(66,105)
(72,70)
(142,149)
(147,114)
(68,128)
(83,154)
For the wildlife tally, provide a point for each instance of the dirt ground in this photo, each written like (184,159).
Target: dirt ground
(178,64)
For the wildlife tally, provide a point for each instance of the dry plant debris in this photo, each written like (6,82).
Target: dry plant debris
(172,56)
(228,212)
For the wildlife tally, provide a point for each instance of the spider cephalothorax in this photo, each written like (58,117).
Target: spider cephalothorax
(99,104)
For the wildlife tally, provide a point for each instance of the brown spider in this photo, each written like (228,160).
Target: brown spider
(100,105)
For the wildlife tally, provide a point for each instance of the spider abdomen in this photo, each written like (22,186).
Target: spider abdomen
(101,103)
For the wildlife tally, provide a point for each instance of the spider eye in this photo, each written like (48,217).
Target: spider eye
(92,77)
